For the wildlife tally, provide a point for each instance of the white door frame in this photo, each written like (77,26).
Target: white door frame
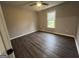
(4,32)
(2,47)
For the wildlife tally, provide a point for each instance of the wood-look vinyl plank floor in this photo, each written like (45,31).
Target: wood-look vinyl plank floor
(44,45)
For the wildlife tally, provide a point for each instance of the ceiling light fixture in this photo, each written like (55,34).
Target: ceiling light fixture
(39,4)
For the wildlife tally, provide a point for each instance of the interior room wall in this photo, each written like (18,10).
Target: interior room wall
(20,21)
(77,36)
(66,19)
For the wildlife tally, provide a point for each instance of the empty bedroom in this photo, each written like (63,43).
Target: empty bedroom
(41,29)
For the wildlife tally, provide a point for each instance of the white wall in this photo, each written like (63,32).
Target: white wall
(19,20)
(22,21)
(77,37)
(66,19)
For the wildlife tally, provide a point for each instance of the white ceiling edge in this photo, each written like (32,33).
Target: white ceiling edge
(26,4)
(54,3)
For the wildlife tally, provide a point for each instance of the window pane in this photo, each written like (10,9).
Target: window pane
(51,19)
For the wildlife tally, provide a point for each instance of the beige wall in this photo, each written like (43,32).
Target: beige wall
(22,21)
(19,20)
(66,19)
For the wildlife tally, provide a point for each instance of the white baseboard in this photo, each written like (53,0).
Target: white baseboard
(22,35)
(73,36)
(77,46)
(65,34)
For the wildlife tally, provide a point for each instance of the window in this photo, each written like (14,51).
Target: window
(51,19)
